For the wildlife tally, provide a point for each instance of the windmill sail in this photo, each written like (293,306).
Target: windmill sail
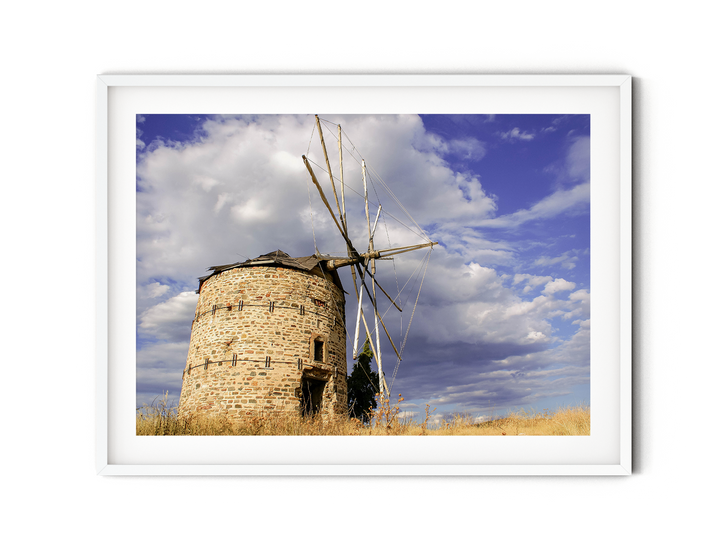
(363,265)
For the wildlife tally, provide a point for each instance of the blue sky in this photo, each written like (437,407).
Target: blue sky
(503,318)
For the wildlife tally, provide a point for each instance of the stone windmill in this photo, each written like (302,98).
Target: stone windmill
(269,334)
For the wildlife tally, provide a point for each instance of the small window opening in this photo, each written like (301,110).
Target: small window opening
(319,351)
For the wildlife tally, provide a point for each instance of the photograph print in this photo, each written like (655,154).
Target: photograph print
(363,274)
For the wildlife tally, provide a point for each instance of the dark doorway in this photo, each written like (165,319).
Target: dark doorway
(312,395)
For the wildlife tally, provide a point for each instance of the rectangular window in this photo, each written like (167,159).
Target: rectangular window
(319,350)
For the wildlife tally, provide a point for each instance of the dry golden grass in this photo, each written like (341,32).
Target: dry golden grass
(161,419)
(564,421)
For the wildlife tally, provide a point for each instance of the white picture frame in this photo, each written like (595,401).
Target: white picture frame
(607,451)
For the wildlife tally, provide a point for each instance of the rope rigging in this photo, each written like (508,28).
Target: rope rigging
(381,181)
(402,347)
(366,266)
(421,235)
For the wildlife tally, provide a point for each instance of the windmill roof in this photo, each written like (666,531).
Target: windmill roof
(274,258)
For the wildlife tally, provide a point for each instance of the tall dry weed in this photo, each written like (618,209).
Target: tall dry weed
(385,419)
(161,418)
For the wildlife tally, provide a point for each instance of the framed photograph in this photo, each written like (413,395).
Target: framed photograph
(364,275)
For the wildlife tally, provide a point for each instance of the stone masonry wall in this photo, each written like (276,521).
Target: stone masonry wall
(253,343)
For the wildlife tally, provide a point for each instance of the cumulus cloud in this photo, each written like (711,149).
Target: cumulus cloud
(558,285)
(532,281)
(472,304)
(199,198)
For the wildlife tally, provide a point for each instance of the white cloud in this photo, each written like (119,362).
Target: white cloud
(583,296)
(532,281)
(516,135)
(558,285)
(221,200)
(243,189)
(469,149)
(574,170)
(206,182)
(577,162)
(252,211)
(473,304)
(575,199)
(170,320)
(154,290)
(139,144)
(566,260)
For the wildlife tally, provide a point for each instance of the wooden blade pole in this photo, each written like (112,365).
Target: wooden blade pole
(357,325)
(378,356)
(327,204)
(343,216)
(387,333)
(391,341)
(367,210)
(342,179)
(397,251)
(376,221)
(327,162)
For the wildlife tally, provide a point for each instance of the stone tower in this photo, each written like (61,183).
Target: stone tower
(268,335)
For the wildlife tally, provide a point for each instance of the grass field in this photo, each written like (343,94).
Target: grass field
(162,419)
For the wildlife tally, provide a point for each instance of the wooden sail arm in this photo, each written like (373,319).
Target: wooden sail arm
(346,260)
(379,317)
(351,249)
(372,346)
(381,374)
(327,204)
(327,163)
(339,262)
(397,251)
(333,263)
(388,336)
(372,233)
(385,292)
